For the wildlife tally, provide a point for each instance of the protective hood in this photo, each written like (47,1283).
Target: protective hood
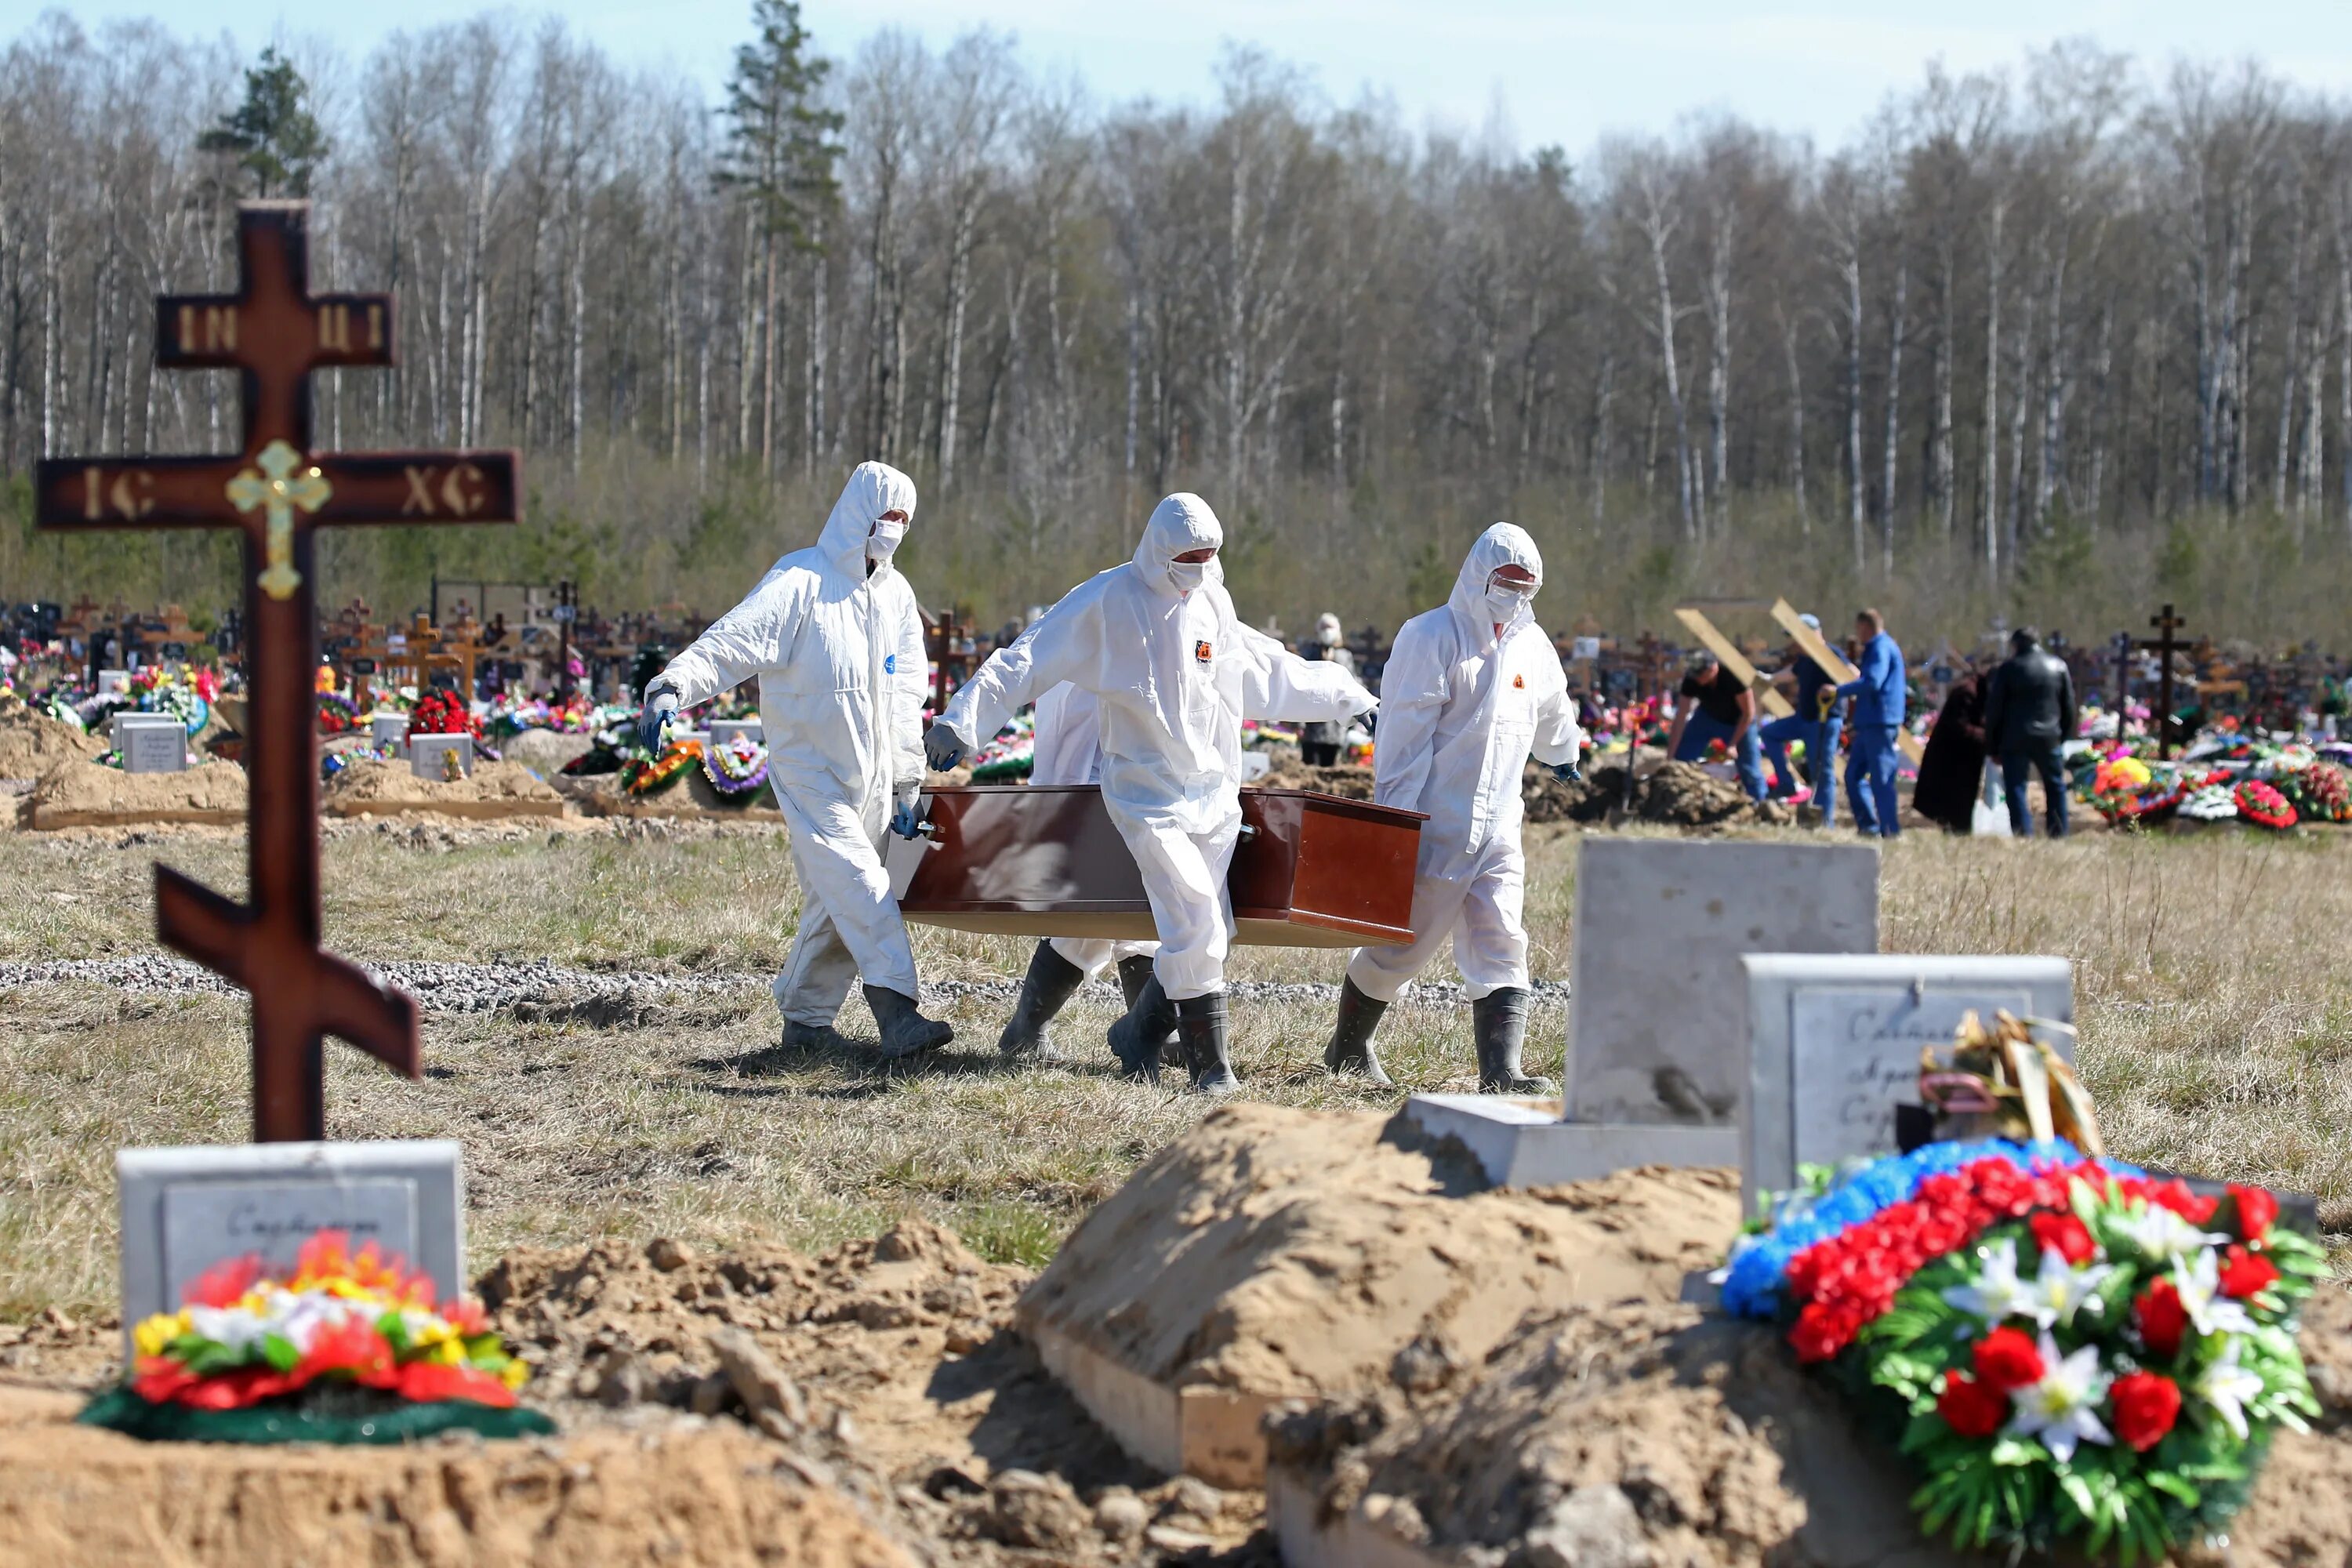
(873,490)
(1179,523)
(1503,544)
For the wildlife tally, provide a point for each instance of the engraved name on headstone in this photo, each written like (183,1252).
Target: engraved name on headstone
(1833,1045)
(426,753)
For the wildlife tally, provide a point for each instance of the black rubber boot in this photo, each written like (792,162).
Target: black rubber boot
(1135,1039)
(905,1031)
(1500,1023)
(1350,1050)
(1134,974)
(1046,990)
(1200,1024)
(810,1036)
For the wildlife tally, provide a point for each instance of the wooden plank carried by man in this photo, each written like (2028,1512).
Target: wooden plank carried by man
(280,492)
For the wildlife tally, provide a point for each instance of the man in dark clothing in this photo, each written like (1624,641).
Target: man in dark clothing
(1952,769)
(1816,723)
(1717,706)
(2029,714)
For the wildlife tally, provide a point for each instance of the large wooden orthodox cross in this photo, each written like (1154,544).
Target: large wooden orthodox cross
(279,491)
(2164,646)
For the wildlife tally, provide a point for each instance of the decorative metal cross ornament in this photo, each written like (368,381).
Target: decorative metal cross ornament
(274,331)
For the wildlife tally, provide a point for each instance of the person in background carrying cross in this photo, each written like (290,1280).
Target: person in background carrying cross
(835,637)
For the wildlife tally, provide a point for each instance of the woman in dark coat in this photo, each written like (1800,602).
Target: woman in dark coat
(1951,770)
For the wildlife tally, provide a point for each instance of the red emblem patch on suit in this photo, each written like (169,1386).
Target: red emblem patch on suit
(1518,683)
(1202,651)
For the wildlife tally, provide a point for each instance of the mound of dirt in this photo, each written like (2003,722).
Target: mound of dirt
(82,793)
(374,786)
(1678,794)
(544,752)
(1287,1253)
(32,743)
(715,1494)
(1635,1434)
(1348,784)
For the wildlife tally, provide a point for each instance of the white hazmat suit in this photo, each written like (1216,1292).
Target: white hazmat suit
(1068,736)
(1173,672)
(1461,708)
(838,650)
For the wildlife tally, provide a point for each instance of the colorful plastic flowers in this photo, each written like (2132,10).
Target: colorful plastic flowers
(241,1336)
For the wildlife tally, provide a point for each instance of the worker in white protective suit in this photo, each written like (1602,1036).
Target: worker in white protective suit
(834,637)
(1470,691)
(1158,644)
(1068,751)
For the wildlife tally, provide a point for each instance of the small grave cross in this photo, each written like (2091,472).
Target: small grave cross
(2164,646)
(275,332)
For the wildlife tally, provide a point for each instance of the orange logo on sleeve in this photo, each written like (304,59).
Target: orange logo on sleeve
(1518,683)
(1202,651)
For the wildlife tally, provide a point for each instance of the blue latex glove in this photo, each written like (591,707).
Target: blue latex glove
(943,748)
(1567,772)
(907,822)
(659,710)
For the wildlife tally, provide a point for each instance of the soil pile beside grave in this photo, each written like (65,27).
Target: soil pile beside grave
(1348,784)
(1635,1434)
(718,1494)
(1677,794)
(879,1384)
(375,787)
(1282,1253)
(81,795)
(544,752)
(32,743)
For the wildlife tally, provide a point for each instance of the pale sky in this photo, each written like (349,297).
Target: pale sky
(1567,71)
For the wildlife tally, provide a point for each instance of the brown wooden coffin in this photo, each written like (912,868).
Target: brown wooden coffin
(1311,870)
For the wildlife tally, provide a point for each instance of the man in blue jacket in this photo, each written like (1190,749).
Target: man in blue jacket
(1878,693)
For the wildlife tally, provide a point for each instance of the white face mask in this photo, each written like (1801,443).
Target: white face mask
(1505,601)
(883,542)
(1188,575)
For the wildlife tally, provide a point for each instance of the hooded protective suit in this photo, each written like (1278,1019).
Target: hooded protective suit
(839,654)
(1461,710)
(1173,671)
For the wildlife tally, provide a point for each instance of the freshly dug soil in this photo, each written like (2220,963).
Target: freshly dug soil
(375,786)
(544,752)
(1679,794)
(874,1399)
(32,743)
(83,794)
(1642,1433)
(715,1494)
(1348,784)
(1287,1253)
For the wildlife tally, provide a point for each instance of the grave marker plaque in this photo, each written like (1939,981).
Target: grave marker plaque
(279,491)
(158,746)
(426,753)
(1833,1045)
(388,730)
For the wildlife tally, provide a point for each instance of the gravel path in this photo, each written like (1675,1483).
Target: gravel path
(486,987)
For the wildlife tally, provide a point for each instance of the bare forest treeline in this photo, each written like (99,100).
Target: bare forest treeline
(2049,343)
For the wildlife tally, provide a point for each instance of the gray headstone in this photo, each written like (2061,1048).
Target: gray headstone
(425,751)
(725,729)
(151,742)
(1833,1045)
(1659,1007)
(388,730)
(113,681)
(184,1210)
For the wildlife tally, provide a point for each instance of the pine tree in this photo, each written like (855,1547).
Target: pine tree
(780,160)
(272,135)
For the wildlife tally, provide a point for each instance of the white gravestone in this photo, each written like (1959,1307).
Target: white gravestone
(389,730)
(722,731)
(184,1210)
(151,742)
(113,681)
(1657,1061)
(1834,1046)
(425,751)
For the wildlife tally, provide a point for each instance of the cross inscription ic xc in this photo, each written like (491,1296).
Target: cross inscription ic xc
(280,492)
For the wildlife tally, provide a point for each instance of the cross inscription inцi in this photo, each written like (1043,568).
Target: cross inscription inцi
(274,331)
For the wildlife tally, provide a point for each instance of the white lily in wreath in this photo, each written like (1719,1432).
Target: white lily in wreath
(2051,1298)
(2227,1386)
(2063,1409)
(2210,1311)
(2161,1235)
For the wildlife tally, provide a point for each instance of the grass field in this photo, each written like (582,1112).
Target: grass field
(2216,1018)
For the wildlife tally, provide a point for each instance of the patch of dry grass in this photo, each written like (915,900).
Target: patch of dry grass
(2217,1033)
